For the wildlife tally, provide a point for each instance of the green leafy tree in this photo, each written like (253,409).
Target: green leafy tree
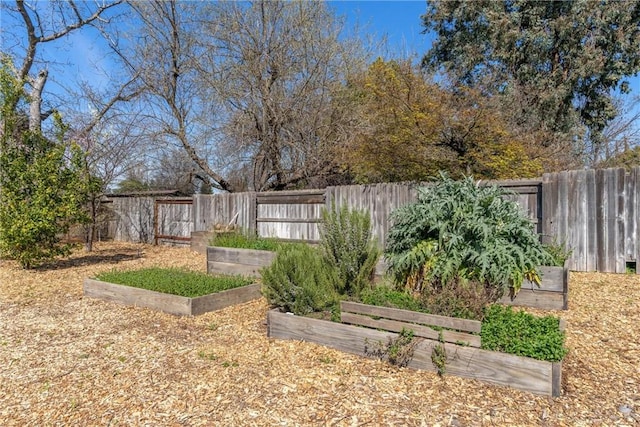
(559,61)
(411,128)
(42,190)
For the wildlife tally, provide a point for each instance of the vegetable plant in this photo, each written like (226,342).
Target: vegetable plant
(460,232)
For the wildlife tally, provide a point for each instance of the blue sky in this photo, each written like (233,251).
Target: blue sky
(399,21)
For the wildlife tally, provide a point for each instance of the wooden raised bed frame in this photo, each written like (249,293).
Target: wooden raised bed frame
(466,360)
(552,294)
(173,304)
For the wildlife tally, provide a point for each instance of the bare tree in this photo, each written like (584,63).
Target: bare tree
(97,123)
(622,135)
(43,23)
(275,68)
(246,88)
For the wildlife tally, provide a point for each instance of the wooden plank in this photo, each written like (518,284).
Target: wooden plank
(281,199)
(291,220)
(549,205)
(418,330)
(523,373)
(537,299)
(591,213)
(173,304)
(220,300)
(601,222)
(631,234)
(575,219)
(562,209)
(240,256)
(216,267)
(556,379)
(612,223)
(411,316)
(347,338)
(128,295)
(620,259)
(552,279)
(513,182)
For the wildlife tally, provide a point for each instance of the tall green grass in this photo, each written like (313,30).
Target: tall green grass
(174,281)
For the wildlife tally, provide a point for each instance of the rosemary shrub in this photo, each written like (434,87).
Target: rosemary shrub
(299,280)
(346,241)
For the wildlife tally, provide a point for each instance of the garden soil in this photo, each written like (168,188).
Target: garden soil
(70,360)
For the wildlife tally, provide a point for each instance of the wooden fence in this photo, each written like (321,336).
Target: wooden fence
(595,213)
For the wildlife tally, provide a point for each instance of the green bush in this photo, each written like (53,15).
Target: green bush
(463,299)
(522,334)
(559,253)
(347,243)
(299,280)
(43,184)
(174,281)
(460,232)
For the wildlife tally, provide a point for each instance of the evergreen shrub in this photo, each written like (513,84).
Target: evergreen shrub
(346,242)
(299,280)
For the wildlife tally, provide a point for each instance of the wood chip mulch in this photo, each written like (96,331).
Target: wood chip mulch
(70,360)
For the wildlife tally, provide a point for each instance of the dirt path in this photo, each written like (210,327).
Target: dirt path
(69,360)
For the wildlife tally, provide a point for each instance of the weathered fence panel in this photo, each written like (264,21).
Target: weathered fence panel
(173,220)
(294,215)
(234,208)
(595,213)
(132,219)
(382,199)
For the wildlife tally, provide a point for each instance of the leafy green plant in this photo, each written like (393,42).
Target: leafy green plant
(459,231)
(559,252)
(246,240)
(385,296)
(522,334)
(174,281)
(439,356)
(299,280)
(347,243)
(43,188)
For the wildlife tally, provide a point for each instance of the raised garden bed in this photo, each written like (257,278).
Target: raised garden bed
(551,295)
(365,325)
(168,303)
(237,261)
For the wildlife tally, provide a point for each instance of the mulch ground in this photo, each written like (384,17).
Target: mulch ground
(70,360)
